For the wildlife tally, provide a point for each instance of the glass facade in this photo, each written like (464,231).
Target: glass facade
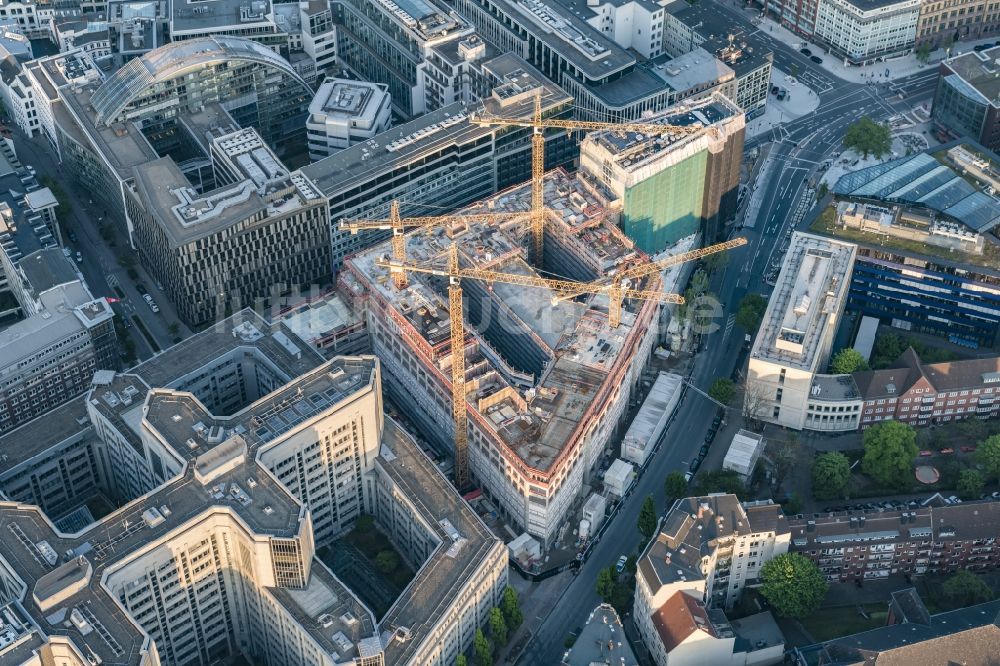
(666,207)
(959,106)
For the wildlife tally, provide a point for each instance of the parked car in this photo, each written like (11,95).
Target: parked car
(817,60)
(948,451)
(710,436)
(141,289)
(926,454)
(774,90)
(716,422)
(71,236)
(805,52)
(687,477)
(968,449)
(620,564)
(704,451)
(79,257)
(695,464)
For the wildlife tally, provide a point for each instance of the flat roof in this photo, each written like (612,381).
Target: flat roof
(810,290)
(692,69)
(196,17)
(431,132)
(464,543)
(345,98)
(975,72)
(748,53)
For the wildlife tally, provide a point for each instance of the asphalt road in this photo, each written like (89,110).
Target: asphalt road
(797,148)
(100,266)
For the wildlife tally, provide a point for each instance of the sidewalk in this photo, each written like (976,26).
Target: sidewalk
(800,101)
(898,67)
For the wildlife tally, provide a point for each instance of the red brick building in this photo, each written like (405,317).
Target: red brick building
(922,394)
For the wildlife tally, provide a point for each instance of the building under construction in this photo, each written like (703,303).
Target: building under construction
(547,380)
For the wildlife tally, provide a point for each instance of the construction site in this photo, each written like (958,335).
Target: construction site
(546,380)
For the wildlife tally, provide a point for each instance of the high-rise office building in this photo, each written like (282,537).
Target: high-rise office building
(344,113)
(671,186)
(442,160)
(234,456)
(50,356)
(262,227)
(786,384)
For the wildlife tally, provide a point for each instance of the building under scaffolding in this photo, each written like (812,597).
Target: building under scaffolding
(547,383)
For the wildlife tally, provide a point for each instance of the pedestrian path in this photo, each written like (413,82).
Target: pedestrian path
(800,99)
(881,72)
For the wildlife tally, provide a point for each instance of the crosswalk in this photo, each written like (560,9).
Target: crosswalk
(730,322)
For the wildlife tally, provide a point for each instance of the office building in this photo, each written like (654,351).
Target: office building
(926,260)
(671,186)
(793,345)
(442,161)
(586,51)
(66,336)
(708,548)
(913,635)
(344,113)
(690,27)
(249,19)
(104,129)
(548,384)
(402,44)
(940,22)
(865,31)
(318,35)
(923,394)
(253,454)
(137,27)
(261,228)
(967,100)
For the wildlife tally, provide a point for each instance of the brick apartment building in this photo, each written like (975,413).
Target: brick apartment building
(931,539)
(922,394)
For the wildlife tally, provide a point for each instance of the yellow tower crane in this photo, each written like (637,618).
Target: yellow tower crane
(650,267)
(398,225)
(455,275)
(538,124)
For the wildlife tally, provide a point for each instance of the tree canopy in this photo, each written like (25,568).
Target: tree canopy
(675,486)
(647,517)
(970,484)
(890,448)
(720,481)
(511,607)
(498,627)
(482,649)
(988,454)
(605,585)
(868,137)
(751,312)
(723,389)
(831,474)
(846,361)
(793,585)
(965,588)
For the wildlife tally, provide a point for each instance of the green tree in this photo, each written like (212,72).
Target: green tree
(751,312)
(387,561)
(783,454)
(461,660)
(831,473)
(793,585)
(846,361)
(723,389)
(988,454)
(890,448)
(720,481)
(970,484)
(647,517)
(964,588)
(923,52)
(822,191)
(511,607)
(888,348)
(482,649)
(498,628)
(606,584)
(868,137)
(675,486)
